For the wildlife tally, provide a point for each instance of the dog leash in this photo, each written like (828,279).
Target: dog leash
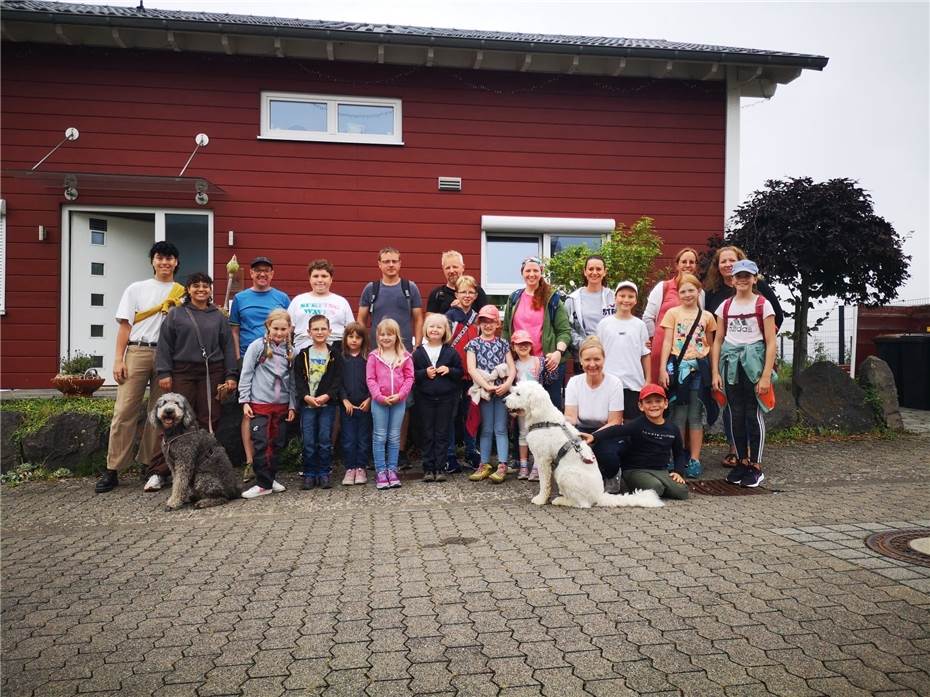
(573,442)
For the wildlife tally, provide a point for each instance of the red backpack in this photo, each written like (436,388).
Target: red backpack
(760,303)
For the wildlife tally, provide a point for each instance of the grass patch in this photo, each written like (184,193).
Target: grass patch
(37,412)
(28,472)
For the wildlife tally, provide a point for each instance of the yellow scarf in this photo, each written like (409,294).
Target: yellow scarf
(175,297)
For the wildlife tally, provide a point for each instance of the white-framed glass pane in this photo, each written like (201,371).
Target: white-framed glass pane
(96,268)
(559,243)
(297,116)
(503,256)
(366,118)
(98,237)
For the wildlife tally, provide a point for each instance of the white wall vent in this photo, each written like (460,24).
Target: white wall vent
(450,183)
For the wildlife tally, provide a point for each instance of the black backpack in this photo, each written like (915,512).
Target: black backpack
(376,287)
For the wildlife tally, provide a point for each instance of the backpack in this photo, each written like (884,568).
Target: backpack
(376,286)
(760,303)
(553,305)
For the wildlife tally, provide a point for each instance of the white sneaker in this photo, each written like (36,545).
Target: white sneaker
(154,483)
(255,492)
(277,487)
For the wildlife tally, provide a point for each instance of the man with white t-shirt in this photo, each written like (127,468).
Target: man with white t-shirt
(625,340)
(140,313)
(319,301)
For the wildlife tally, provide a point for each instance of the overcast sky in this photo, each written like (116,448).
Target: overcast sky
(866,116)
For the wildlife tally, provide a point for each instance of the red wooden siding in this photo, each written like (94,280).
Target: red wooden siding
(538,145)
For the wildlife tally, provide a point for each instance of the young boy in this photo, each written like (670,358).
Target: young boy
(644,445)
(318,385)
(625,339)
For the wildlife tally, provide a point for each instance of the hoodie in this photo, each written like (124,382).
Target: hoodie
(384,380)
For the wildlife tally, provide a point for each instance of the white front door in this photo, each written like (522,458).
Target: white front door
(107,253)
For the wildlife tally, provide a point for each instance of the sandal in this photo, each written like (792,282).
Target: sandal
(730,460)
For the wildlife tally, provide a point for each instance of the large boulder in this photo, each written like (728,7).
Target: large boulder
(785,413)
(66,440)
(829,398)
(875,374)
(9,450)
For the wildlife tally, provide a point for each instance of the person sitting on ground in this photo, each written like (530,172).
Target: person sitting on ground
(641,449)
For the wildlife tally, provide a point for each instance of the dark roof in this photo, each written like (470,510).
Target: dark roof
(39,10)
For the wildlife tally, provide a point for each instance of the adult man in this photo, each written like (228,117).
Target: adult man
(319,301)
(140,313)
(247,317)
(398,299)
(442,298)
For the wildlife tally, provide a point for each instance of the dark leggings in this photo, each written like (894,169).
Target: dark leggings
(746,421)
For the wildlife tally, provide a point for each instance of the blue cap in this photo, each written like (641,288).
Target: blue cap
(745,266)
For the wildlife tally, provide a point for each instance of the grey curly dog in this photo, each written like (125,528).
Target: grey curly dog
(200,468)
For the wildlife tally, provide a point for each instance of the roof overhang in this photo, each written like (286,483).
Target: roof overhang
(757,74)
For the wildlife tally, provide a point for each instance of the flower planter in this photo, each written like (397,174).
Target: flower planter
(77,385)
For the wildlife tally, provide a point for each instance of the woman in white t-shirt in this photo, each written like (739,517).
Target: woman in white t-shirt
(319,301)
(594,399)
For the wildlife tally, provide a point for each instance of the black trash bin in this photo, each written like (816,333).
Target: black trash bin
(908,356)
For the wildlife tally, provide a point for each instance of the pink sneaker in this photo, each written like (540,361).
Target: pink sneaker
(393,479)
(349,479)
(360,476)
(382,481)
(534,474)
(524,472)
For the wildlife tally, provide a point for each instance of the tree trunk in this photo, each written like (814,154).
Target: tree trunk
(799,359)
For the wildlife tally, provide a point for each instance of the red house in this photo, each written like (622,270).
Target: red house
(331,139)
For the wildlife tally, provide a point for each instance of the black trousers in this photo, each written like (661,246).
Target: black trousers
(269,435)
(435,417)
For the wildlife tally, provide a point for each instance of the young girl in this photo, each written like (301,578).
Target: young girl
(267,396)
(484,354)
(356,404)
(464,321)
(691,399)
(319,368)
(437,372)
(742,360)
(389,374)
(528,368)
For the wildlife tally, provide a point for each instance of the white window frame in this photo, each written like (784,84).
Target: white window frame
(539,228)
(332,134)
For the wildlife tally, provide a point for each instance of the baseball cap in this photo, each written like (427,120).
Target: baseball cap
(649,390)
(261,260)
(521,336)
(626,284)
(745,266)
(489,312)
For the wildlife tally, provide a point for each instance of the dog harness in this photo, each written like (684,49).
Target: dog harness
(573,442)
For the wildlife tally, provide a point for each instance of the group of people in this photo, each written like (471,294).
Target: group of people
(363,375)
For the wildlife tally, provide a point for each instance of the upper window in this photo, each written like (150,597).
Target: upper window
(326,117)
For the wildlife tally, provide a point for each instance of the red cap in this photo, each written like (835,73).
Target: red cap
(651,389)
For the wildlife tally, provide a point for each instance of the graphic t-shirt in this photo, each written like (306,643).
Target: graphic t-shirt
(528,370)
(682,319)
(334,307)
(743,324)
(316,367)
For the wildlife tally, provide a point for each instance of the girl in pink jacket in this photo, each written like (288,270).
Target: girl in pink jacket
(389,374)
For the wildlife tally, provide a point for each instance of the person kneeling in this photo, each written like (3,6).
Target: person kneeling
(645,445)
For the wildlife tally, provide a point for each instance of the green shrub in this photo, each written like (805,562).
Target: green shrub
(76,363)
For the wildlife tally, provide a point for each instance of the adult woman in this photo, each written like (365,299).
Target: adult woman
(593,399)
(664,297)
(537,309)
(719,285)
(462,320)
(196,352)
(588,305)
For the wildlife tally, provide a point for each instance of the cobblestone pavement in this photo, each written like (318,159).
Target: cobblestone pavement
(468,589)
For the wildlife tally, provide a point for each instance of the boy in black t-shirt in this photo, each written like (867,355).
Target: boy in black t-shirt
(644,444)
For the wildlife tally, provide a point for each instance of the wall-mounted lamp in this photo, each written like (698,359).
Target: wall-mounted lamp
(231,238)
(43,234)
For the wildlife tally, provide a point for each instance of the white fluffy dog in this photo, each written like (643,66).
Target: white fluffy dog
(576,473)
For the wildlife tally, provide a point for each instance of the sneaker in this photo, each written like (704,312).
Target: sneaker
(439,477)
(474,459)
(694,469)
(512,467)
(500,475)
(324,482)
(393,479)
(277,487)
(255,492)
(248,474)
(523,473)
(428,477)
(453,466)
(108,481)
(382,481)
(534,474)
(482,472)
(736,474)
(154,483)
(360,476)
(349,478)
(753,477)
(308,483)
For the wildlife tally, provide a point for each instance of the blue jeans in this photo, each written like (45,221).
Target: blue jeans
(355,438)
(316,429)
(385,440)
(494,425)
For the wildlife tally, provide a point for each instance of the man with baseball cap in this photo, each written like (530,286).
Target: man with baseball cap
(247,317)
